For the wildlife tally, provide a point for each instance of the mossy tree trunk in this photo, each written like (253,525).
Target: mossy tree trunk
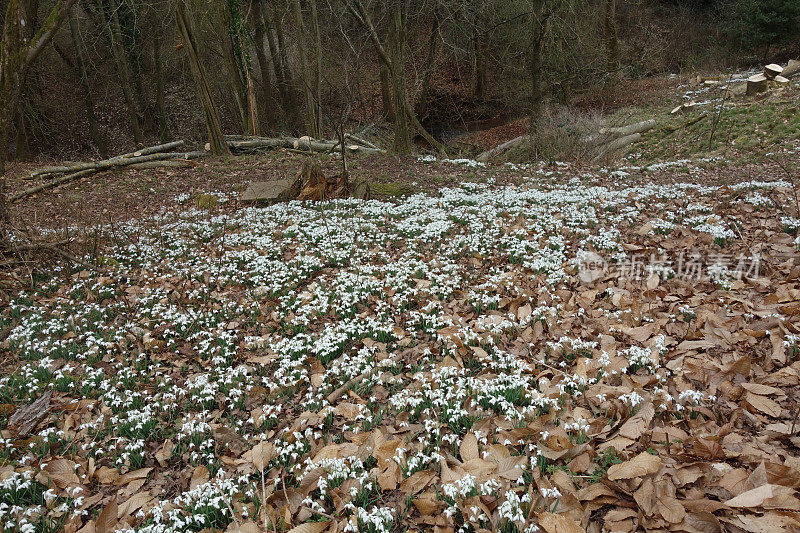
(16,57)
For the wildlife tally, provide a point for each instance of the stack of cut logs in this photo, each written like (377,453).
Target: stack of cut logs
(605,143)
(771,77)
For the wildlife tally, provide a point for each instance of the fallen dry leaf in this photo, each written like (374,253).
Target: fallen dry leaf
(558,523)
(641,465)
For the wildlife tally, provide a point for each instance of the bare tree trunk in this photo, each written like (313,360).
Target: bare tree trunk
(121,63)
(23,150)
(215,134)
(611,36)
(479,43)
(404,112)
(386,94)
(317,65)
(430,66)
(94,130)
(230,44)
(265,93)
(281,62)
(132,64)
(402,133)
(161,107)
(539,20)
(16,57)
(307,80)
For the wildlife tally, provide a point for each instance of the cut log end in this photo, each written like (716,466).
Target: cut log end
(772,70)
(757,84)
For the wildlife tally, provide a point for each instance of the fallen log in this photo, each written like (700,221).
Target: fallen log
(166,163)
(255,144)
(502,148)
(107,163)
(362,142)
(630,129)
(87,171)
(791,69)
(617,144)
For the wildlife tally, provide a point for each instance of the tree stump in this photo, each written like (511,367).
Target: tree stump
(756,84)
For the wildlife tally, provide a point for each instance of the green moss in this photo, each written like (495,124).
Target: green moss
(388,190)
(206,201)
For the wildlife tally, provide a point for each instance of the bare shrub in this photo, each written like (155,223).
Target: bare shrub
(562,135)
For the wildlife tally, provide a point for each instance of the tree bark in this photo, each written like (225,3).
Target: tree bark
(402,133)
(94,129)
(404,112)
(281,62)
(539,20)
(479,42)
(611,36)
(131,63)
(387,110)
(16,57)
(161,107)
(307,80)
(317,66)
(216,137)
(430,66)
(230,44)
(121,64)
(265,92)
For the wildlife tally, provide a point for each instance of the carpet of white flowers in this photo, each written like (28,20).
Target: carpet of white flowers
(486,359)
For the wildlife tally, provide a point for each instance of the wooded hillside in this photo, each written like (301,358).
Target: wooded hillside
(94,77)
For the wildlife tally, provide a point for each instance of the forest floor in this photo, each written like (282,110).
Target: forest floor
(495,347)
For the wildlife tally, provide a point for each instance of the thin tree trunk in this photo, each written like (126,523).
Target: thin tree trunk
(16,57)
(215,134)
(430,66)
(121,63)
(281,58)
(538,30)
(265,93)
(317,65)
(277,67)
(161,107)
(402,133)
(134,71)
(611,36)
(94,130)
(404,112)
(235,81)
(386,94)
(479,49)
(307,80)
(23,149)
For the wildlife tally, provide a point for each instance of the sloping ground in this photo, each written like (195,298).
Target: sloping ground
(745,128)
(561,352)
